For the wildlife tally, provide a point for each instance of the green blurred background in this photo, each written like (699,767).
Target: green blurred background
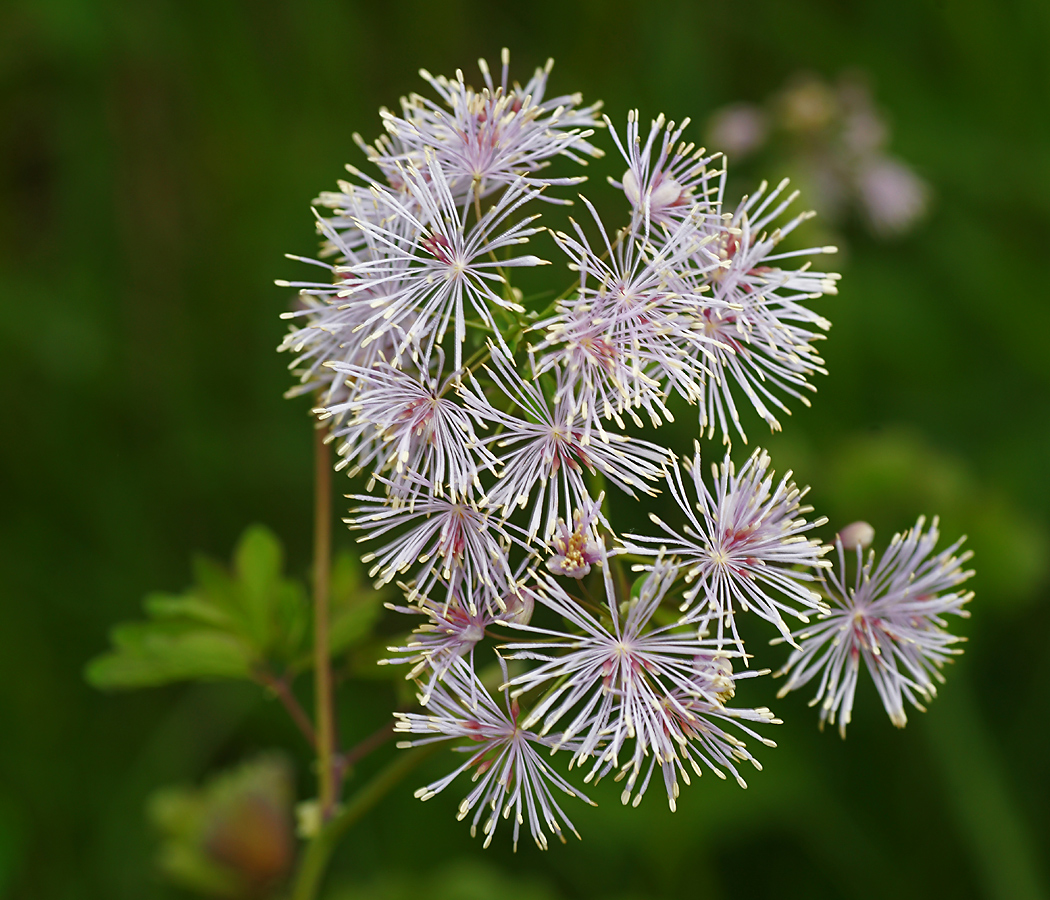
(156,161)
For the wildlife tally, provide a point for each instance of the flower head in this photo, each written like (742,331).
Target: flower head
(489,138)
(743,544)
(692,732)
(575,549)
(617,673)
(633,681)
(630,335)
(892,617)
(668,185)
(436,266)
(410,425)
(510,776)
(761,328)
(327,327)
(455,542)
(422,267)
(453,630)
(545,453)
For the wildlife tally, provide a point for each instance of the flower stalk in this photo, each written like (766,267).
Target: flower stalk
(318,852)
(324,702)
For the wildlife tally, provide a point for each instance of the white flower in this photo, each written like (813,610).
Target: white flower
(892,617)
(609,682)
(545,453)
(410,425)
(489,138)
(673,186)
(453,630)
(329,328)
(425,267)
(630,334)
(658,686)
(762,331)
(510,776)
(691,735)
(742,544)
(455,542)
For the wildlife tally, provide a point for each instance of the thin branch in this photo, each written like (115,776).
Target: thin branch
(358,752)
(283,691)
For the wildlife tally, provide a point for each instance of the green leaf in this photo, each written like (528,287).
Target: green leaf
(235,622)
(355,605)
(258,561)
(154,653)
(187,607)
(291,618)
(226,626)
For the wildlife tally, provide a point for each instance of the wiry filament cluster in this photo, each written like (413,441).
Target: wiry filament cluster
(500,436)
(893,618)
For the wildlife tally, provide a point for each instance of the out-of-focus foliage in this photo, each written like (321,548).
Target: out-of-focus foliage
(156,161)
(235,624)
(222,627)
(473,879)
(896,473)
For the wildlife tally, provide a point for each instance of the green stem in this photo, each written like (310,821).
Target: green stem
(319,850)
(325,716)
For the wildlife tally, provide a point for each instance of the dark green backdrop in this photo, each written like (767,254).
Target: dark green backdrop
(156,161)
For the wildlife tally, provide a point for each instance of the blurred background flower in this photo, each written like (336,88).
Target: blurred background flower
(156,161)
(835,140)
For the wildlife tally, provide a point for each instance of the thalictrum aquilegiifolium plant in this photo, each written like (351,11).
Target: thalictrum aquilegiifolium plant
(498,435)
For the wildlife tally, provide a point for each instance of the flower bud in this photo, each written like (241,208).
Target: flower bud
(519,608)
(856,534)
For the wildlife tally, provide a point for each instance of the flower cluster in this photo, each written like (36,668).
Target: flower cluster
(499,433)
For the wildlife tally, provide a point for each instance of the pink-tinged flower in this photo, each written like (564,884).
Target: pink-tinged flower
(612,684)
(692,733)
(545,452)
(425,270)
(327,327)
(630,336)
(352,203)
(572,114)
(738,129)
(892,617)
(490,138)
(391,156)
(457,543)
(761,332)
(892,196)
(452,632)
(424,435)
(510,776)
(456,626)
(675,185)
(575,549)
(743,544)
